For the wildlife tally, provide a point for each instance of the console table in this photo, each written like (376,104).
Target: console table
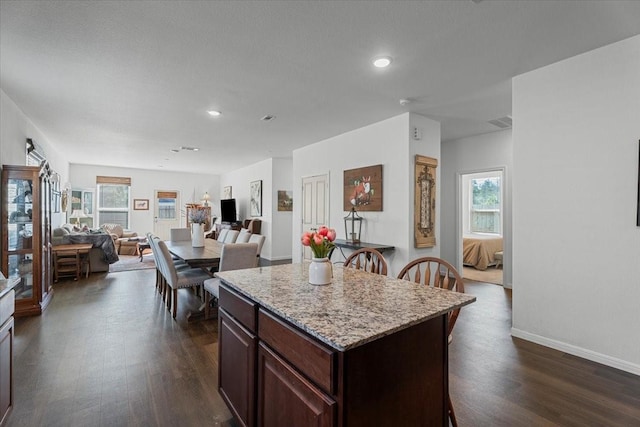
(70,258)
(341,243)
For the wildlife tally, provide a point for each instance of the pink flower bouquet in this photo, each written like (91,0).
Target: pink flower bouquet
(320,241)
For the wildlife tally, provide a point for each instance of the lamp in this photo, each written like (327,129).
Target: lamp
(77,214)
(206,198)
(352,222)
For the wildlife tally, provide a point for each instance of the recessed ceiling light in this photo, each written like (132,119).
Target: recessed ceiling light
(214,113)
(175,150)
(382,61)
(268,118)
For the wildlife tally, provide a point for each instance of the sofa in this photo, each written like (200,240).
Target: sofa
(101,254)
(126,241)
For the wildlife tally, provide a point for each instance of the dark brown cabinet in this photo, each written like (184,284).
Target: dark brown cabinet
(26,235)
(237,368)
(286,398)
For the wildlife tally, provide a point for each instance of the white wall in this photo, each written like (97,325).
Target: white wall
(576,247)
(388,143)
(15,128)
(275,175)
(143,185)
(282,221)
(475,153)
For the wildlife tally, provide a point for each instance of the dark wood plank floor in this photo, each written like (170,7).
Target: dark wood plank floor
(107,353)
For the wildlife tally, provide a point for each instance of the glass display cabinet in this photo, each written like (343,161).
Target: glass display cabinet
(26,235)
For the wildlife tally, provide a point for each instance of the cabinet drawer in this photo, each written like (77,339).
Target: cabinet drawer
(7,306)
(239,307)
(312,358)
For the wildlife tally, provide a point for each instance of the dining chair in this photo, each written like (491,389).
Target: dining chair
(436,272)
(161,283)
(180,234)
(243,236)
(178,279)
(259,240)
(234,256)
(232,236)
(367,259)
(222,235)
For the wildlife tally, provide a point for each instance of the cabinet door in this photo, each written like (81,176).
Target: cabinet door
(285,398)
(6,355)
(236,368)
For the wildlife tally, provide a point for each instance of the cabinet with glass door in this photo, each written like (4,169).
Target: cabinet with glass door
(26,235)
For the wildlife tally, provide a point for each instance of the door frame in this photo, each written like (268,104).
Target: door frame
(506,224)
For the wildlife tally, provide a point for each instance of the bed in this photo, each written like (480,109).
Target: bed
(478,251)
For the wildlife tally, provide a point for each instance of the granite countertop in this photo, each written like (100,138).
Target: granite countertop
(356,308)
(7,284)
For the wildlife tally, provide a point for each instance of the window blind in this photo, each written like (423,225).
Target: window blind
(120,180)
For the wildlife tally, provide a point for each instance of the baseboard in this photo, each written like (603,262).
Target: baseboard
(578,351)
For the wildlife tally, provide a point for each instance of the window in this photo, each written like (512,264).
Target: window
(113,200)
(484,204)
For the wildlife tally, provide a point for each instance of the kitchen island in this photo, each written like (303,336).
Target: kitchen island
(364,350)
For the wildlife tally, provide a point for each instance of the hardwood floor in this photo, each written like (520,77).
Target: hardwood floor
(106,352)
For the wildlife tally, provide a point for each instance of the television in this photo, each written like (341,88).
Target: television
(228,210)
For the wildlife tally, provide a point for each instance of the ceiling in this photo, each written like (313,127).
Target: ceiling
(123,83)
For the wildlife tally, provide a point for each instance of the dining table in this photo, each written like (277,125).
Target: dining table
(205,257)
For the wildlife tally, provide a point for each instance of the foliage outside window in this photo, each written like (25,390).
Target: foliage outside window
(486,202)
(113,204)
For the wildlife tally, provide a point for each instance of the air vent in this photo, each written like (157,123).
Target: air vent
(189,148)
(503,122)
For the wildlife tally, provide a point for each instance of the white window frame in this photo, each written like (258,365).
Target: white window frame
(100,209)
(468,202)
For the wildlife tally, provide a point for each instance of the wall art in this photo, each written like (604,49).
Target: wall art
(424,213)
(255,202)
(363,189)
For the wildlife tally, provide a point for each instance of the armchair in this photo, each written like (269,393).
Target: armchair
(126,241)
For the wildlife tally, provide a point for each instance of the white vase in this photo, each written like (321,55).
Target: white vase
(320,271)
(197,235)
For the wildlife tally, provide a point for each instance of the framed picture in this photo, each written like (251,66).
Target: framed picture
(363,189)
(226,193)
(285,200)
(255,191)
(140,204)
(424,213)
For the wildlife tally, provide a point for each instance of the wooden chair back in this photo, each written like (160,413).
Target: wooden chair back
(367,259)
(436,272)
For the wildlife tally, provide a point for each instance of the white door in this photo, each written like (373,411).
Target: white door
(166,213)
(315,206)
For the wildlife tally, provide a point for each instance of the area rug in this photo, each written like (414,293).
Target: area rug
(490,275)
(132,262)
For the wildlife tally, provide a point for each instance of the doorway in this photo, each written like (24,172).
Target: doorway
(481,220)
(166,213)
(315,206)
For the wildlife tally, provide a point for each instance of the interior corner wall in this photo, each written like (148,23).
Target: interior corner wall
(15,128)
(281,220)
(240,182)
(467,155)
(386,142)
(144,183)
(576,246)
